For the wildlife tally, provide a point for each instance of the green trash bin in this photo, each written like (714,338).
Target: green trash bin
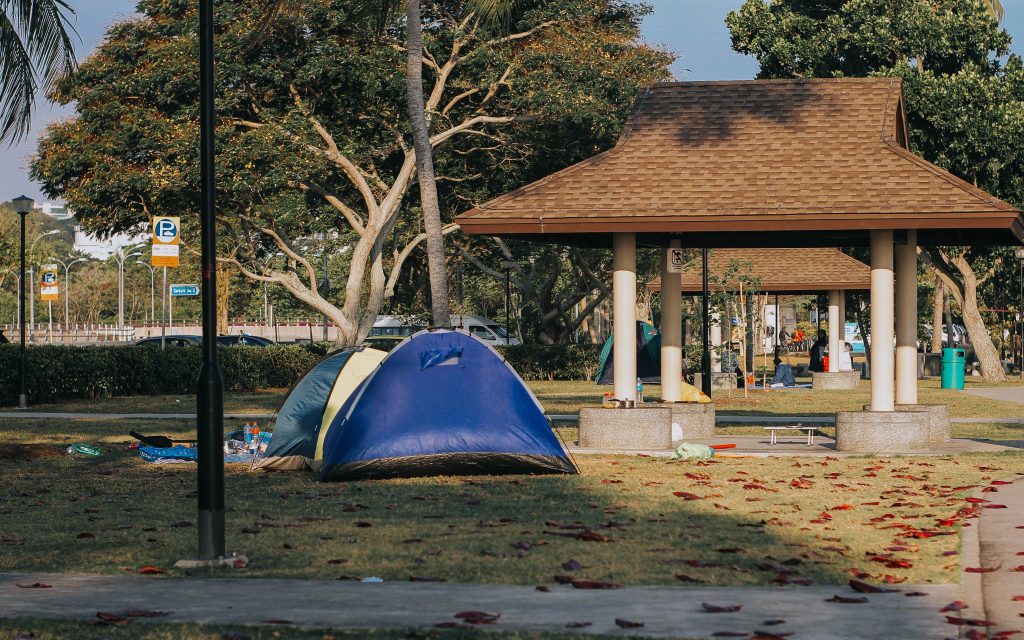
(953,365)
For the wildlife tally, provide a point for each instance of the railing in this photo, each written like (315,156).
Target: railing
(79,333)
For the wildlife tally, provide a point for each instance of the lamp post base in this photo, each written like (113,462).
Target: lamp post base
(223,562)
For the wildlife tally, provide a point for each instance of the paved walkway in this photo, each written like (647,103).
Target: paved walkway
(666,612)
(1001,542)
(796,445)
(1008,394)
(557,417)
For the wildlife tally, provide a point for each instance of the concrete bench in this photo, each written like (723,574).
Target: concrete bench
(774,431)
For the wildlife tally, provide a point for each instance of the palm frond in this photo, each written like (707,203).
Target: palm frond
(47,32)
(995,7)
(17,83)
(493,12)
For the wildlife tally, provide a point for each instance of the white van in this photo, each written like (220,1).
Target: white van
(487,330)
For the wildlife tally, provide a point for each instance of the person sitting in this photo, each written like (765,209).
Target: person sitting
(818,352)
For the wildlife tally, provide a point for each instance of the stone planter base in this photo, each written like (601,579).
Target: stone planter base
(695,419)
(720,380)
(938,419)
(835,380)
(882,431)
(642,429)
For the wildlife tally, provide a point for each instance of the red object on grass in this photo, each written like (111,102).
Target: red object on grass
(716,447)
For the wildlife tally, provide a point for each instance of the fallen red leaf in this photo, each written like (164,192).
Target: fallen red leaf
(841,507)
(685,495)
(580,583)
(628,624)
(864,587)
(994,506)
(982,569)
(150,570)
(956,605)
(35,585)
(968,622)
(110,618)
(712,608)
(846,600)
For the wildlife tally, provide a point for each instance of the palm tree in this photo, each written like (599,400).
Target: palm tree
(35,42)
(490,11)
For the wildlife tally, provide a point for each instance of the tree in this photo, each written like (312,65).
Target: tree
(34,43)
(312,139)
(964,91)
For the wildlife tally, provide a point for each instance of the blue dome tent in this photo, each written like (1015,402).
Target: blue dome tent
(441,403)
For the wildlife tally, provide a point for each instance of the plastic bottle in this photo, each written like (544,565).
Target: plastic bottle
(639,391)
(255,442)
(247,432)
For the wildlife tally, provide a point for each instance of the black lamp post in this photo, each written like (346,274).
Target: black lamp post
(22,205)
(1019,254)
(705,357)
(211,382)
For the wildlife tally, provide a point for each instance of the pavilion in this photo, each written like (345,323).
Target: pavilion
(791,271)
(766,163)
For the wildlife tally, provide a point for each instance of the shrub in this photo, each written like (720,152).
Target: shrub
(553,362)
(56,372)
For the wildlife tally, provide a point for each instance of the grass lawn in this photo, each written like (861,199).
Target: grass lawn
(567,397)
(143,630)
(734,521)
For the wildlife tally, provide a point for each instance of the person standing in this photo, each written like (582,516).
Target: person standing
(818,351)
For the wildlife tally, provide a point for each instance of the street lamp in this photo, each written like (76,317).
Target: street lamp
(32,279)
(152,290)
(67,286)
(22,205)
(120,256)
(1019,254)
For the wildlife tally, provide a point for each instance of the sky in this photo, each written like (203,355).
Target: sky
(693,29)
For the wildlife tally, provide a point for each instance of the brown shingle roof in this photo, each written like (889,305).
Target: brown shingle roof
(784,271)
(750,157)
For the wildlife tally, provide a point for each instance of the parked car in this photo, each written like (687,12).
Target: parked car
(171,341)
(403,326)
(243,340)
(383,343)
(487,330)
(196,341)
(960,337)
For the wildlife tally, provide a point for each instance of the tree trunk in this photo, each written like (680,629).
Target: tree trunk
(940,291)
(223,294)
(981,339)
(436,266)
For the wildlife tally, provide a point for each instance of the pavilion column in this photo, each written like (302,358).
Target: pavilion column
(835,330)
(906,319)
(671,330)
(716,341)
(882,321)
(624,319)
(842,322)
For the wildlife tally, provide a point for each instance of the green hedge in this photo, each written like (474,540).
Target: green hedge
(555,361)
(56,372)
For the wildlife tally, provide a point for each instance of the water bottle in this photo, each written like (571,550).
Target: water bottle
(254,444)
(639,391)
(247,432)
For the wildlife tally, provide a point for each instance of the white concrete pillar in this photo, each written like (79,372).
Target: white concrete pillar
(624,319)
(835,330)
(906,319)
(716,341)
(671,330)
(842,320)
(883,395)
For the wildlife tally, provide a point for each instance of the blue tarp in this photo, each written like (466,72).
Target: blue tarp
(442,402)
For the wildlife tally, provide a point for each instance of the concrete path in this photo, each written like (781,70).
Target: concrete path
(1009,394)
(796,445)
(1000,536)
(556,417)
(666,612)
